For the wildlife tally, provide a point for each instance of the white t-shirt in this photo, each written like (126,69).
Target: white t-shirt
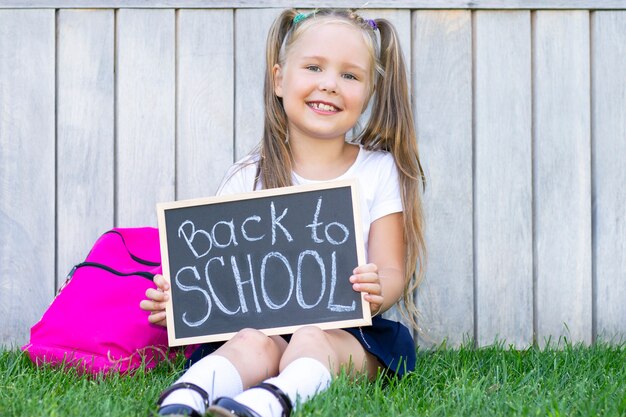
(377,176)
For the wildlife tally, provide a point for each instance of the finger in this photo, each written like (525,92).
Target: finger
(367,277)
(161,282)
(156,295)
(361,269)
(153,306)
(376,300)
(158,318)
(145,305)
(374,289)
(374,307)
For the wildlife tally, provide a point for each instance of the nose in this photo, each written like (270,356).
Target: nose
(328,83)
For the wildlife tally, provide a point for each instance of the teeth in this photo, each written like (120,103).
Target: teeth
(323,107)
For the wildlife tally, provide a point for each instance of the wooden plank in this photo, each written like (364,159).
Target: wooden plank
(145,114)
(261,4)
(562,176)
(27,170)
(609,176)
(251,28)
(85,100)
(502,182)
(442,96)
(205,138)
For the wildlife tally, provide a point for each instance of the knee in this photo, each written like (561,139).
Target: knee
(313,340)
(309,335)
(251,340)
(330,347)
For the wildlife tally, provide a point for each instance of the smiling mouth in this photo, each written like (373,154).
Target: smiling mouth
(323,107)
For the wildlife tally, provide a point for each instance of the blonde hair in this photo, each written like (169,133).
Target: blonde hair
(390,127)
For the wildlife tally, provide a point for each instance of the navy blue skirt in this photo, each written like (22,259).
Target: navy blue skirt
(389,341)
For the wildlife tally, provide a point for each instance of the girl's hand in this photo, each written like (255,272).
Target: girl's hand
(365,279)
(157,300)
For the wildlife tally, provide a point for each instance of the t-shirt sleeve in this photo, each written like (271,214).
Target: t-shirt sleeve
(238,179)
(387,199)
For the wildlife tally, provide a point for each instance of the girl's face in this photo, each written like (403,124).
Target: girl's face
(324,81)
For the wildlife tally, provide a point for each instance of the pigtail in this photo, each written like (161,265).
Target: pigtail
(391,128)
(274,168)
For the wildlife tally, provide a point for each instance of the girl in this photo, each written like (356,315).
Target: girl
(322,69)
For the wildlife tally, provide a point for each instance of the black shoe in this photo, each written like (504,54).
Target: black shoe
(175,410)
(227,407)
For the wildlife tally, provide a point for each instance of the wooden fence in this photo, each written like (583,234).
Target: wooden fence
(107,108)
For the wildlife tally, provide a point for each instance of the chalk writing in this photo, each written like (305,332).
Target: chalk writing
(276,260)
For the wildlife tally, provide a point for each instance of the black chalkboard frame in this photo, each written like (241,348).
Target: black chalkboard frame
(364,318)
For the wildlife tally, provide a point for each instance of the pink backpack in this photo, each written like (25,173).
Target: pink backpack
(95,323)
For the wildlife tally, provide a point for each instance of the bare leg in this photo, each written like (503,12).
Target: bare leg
(247,359)
(333,348)
(255,355)
(306,368)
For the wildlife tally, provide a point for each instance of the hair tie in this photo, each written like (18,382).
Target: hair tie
(372,23)
(301,16)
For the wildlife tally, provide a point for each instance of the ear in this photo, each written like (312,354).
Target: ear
(278,80)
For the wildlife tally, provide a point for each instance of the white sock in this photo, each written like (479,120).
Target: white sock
(300,380)
(215,374)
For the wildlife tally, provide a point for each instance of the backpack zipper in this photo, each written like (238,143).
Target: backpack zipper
(135,258)
(107,268)
(144,274)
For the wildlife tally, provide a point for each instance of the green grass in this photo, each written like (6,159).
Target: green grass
(494,381)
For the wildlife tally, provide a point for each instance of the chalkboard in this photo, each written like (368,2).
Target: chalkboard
(273,260)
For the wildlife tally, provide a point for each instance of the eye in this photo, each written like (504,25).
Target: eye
(350,76)
(313,68)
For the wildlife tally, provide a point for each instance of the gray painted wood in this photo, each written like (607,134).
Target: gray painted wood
(145,114)
(251,28)
(396,4)
(27,170)
(167,77)
(503,189)
(205,100)
(85,122)
(609,175)
(442,95)
(562,176)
